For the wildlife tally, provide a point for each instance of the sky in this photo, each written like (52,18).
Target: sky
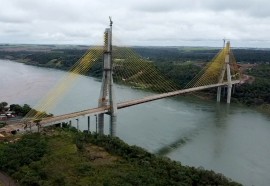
(246,23)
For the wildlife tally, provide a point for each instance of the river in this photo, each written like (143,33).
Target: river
(232,140)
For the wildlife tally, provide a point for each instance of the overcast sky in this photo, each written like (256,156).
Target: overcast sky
(137,22)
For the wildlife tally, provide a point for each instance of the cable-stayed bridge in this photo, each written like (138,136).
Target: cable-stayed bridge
(124,66)
(121,105)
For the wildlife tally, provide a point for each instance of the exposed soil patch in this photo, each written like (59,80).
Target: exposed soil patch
(5,180)
(98,155)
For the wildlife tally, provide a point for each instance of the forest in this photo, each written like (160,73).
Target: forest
(65,156)
(257,92)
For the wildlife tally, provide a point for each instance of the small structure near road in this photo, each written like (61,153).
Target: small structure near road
(3,117)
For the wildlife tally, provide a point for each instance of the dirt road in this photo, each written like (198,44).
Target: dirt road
(5,180)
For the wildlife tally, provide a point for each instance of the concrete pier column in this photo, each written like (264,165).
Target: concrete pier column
(77,124)
(88,124)
(96,123)
(113,125)
(229,93)
(233,89)
(101,123)
(229,78)
(218,94)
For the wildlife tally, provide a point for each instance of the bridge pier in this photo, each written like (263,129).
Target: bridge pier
(77,123)
(229,94)
(229,76)
(88,124)
(113,121)
(96,123)
(233,89)
(218,94)
(101,124)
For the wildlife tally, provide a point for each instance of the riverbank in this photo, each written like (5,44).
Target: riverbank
(265,108)
(84,159)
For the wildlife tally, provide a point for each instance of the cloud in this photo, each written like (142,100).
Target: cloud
(253,8)
(136,22)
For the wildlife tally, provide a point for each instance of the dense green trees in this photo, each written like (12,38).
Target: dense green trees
(18,109)
(14,156)
(3,105)
(201,54)
(260,71)
(256,92)
(180,74)
(68,157)
(22,110)
(177,54)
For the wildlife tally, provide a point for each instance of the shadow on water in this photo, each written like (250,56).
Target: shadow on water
(163,151)
(220,113)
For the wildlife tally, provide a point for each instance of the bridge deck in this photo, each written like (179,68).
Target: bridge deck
(105,109)
(169,94)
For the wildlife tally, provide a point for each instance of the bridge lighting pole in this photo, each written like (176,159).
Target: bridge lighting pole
(107,96)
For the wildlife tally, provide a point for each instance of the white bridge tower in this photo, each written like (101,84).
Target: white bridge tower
(107,97)
(226,68)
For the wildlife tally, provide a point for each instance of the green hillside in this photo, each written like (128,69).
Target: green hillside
(67,157)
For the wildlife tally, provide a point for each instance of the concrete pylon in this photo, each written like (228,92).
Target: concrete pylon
(226,68)
(107,96)
(229,76)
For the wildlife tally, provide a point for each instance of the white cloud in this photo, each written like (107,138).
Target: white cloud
(136,22)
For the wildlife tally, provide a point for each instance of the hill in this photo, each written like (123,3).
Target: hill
(67,157)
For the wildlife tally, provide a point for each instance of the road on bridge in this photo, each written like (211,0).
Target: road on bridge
(56,119)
